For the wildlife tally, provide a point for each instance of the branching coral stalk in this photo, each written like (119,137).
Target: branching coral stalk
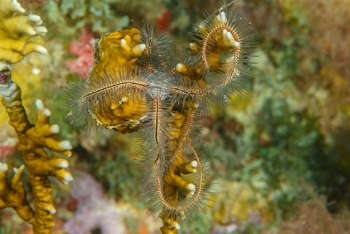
(32,141)
(13,195)
(17,36)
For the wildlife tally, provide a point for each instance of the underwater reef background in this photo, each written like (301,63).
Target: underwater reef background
(278,155)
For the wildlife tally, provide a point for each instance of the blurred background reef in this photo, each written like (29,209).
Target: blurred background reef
(279,155)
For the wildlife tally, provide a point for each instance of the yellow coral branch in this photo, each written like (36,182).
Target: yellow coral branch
(18,32)
(13,195)
(33,138)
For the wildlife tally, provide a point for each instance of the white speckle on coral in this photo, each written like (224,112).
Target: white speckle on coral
(40,30)
(30,31)
(138,50)
(123,44)
(66,145)
(36,71)
(55,128)
(63,164)
(39,104)
(182,214)
(202,29)
(3,167)
(40,49)
(193,46)
(229,39)
(3,66)
(15,6)
(50,209)
(194,164)
(180,67)
(68,177)
(47,112)
(34,18)
(191,187)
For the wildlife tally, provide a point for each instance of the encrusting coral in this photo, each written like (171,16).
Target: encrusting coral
(18,35)
(137,86)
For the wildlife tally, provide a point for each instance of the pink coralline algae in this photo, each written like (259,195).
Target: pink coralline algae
(6,150)
(84,48)
(4,75)
(8,141)
(93,211)
(163,21)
